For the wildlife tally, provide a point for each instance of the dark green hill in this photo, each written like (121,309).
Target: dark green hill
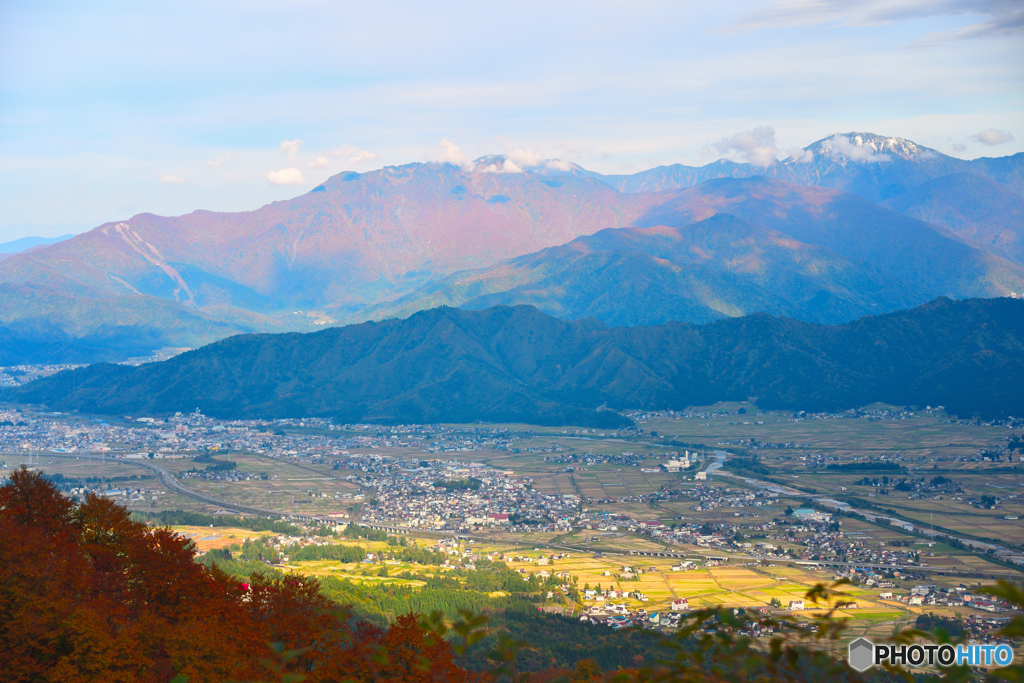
(41,325)
(517,364)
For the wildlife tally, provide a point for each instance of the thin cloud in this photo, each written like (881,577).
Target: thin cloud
(220,161)
(800,155)
(319,162)
(499,166)
(523,158)
(353,155)
(171,179)
(518,159)
(1006,23)
(558,165)
(292,147)
(855,150)
(756,147)
(286,176)
(1005,17)
(991,136)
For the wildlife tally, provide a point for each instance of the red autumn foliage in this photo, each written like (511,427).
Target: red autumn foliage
(88,594)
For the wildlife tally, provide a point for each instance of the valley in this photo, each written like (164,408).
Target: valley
(575,507)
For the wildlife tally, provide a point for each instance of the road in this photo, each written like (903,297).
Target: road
(169,481)
(837,505)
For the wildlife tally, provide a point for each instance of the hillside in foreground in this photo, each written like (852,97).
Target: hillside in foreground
(517,364)
(91,594)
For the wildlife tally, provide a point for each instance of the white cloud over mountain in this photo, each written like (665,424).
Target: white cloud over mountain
(450,153)
(991,136)
(353,155)
(755,146)
(286,176)
(843,146)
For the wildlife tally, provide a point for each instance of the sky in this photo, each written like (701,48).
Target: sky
(109,109)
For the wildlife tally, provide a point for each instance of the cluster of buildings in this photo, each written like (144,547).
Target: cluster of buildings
(707,497)
(185,435)
(625,459)
(619,616)
(415,494)
(223,475)
(960,596)
(16,375)
(825,544)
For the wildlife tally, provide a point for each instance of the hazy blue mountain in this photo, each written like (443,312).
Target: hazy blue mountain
(879,169)
(971,206)
(23,243)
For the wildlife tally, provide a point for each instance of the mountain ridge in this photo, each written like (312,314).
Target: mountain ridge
(731,247)
(517,364)
(361,240)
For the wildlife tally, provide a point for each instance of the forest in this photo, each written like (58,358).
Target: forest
(87,593)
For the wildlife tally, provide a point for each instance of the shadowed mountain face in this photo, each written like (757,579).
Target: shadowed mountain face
(972,207)
(517,364)
(904,248)
(45,326)
(819,255)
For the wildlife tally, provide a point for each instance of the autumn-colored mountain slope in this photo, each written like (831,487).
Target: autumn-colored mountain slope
(296,264)
(346,243)
(519,365)
(719,267)
(826,256)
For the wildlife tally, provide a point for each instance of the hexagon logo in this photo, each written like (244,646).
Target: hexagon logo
(862,654)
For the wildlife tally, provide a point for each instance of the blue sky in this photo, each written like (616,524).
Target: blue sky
(108,109)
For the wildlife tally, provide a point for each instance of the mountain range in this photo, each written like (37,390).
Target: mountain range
(731,247)
(968,197)
(516,364)
(21,244)
(855,225)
